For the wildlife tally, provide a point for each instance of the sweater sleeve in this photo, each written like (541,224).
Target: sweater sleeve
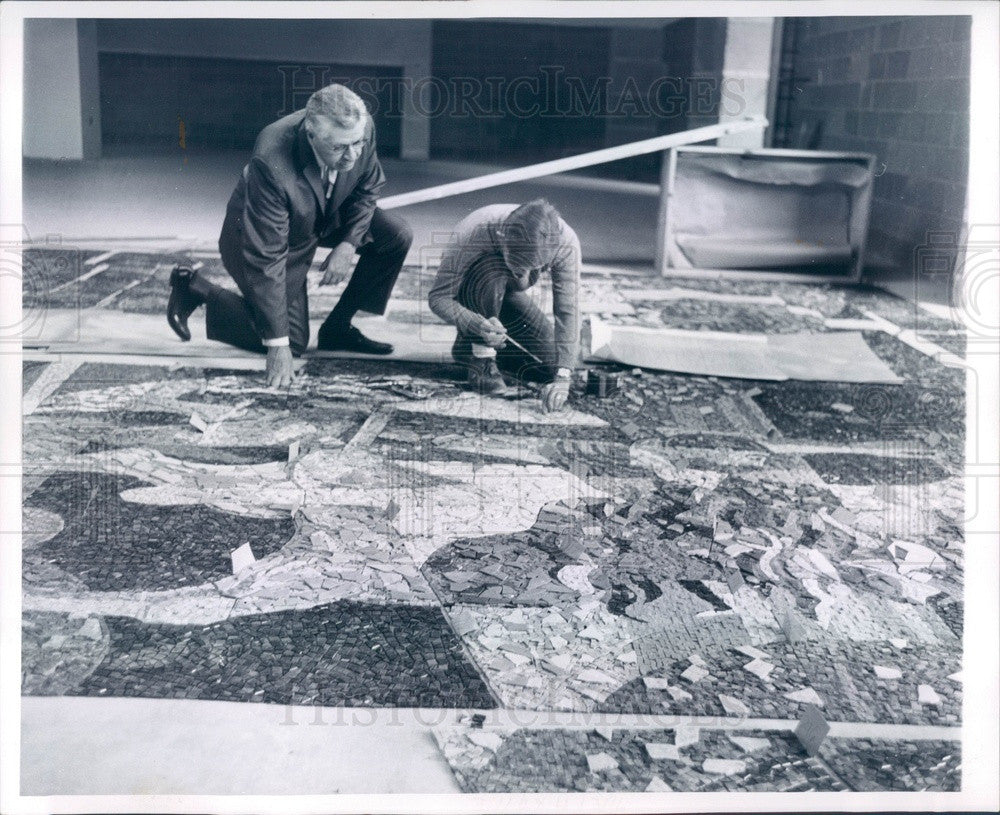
(443,295)
(566,300)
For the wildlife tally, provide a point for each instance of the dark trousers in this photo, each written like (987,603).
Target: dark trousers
(490,289)
(229,317)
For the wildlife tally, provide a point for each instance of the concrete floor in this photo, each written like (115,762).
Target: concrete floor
(184,196)
(242,749)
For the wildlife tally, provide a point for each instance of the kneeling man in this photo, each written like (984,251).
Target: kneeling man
(312,181)
(494,257)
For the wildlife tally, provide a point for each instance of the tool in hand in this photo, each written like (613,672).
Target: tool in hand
(516,344)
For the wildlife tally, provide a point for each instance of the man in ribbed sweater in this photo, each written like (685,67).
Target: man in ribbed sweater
(483,287)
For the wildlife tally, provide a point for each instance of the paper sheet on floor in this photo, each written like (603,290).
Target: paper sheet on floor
(841,356)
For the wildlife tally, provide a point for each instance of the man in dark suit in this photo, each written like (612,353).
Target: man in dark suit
(312,181)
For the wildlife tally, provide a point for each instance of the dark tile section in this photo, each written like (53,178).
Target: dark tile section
(726,675)
(340,654)
(839,468)
(501,570)
(91,375)
(112,545)
(744,318)
(556,761)
(119,437)
(912,411)
(868,765)
(951,612)
(843,674)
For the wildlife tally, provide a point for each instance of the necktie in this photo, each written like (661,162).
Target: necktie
(329,179)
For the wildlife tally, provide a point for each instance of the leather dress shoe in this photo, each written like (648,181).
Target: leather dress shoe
(182,301)
(351,340)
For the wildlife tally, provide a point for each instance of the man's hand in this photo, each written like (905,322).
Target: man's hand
(493,332)
(337,265)
(280,372)
(555,394)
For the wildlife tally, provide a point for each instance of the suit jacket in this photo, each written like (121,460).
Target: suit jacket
(278,214)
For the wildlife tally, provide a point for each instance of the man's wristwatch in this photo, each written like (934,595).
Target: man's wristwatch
(563,373)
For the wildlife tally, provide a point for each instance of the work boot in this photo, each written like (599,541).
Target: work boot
(183,300)
(484,376)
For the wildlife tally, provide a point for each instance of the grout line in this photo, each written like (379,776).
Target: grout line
(517,718)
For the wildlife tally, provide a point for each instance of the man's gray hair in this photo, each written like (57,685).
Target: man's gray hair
(337,104)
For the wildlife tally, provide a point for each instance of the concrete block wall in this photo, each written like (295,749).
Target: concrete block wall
(897,87)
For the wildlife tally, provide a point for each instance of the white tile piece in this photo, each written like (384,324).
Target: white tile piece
(562,661)
(606,733)
(242,558)
(595,677)
(724,766)
(752,652)
(601,762)
(733,706)
(926,695)
(806,696)
(662,751)
(679,694)
(484,738)
(684,736)
(759,668)
(956,677)
(886,672)
(694,674)
(574,576)
(750,744)
(657,784)
(655,683)
(91,629)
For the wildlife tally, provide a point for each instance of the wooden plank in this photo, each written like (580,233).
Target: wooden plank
(562,165)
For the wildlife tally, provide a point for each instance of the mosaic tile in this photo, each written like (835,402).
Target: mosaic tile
(633,760)
(870,765)
(59,651)
(840,468)
(111,544)
(756,318)
(341,654)
(492,409)
(842,674)
(544,658)
(687,546)
(723,686)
